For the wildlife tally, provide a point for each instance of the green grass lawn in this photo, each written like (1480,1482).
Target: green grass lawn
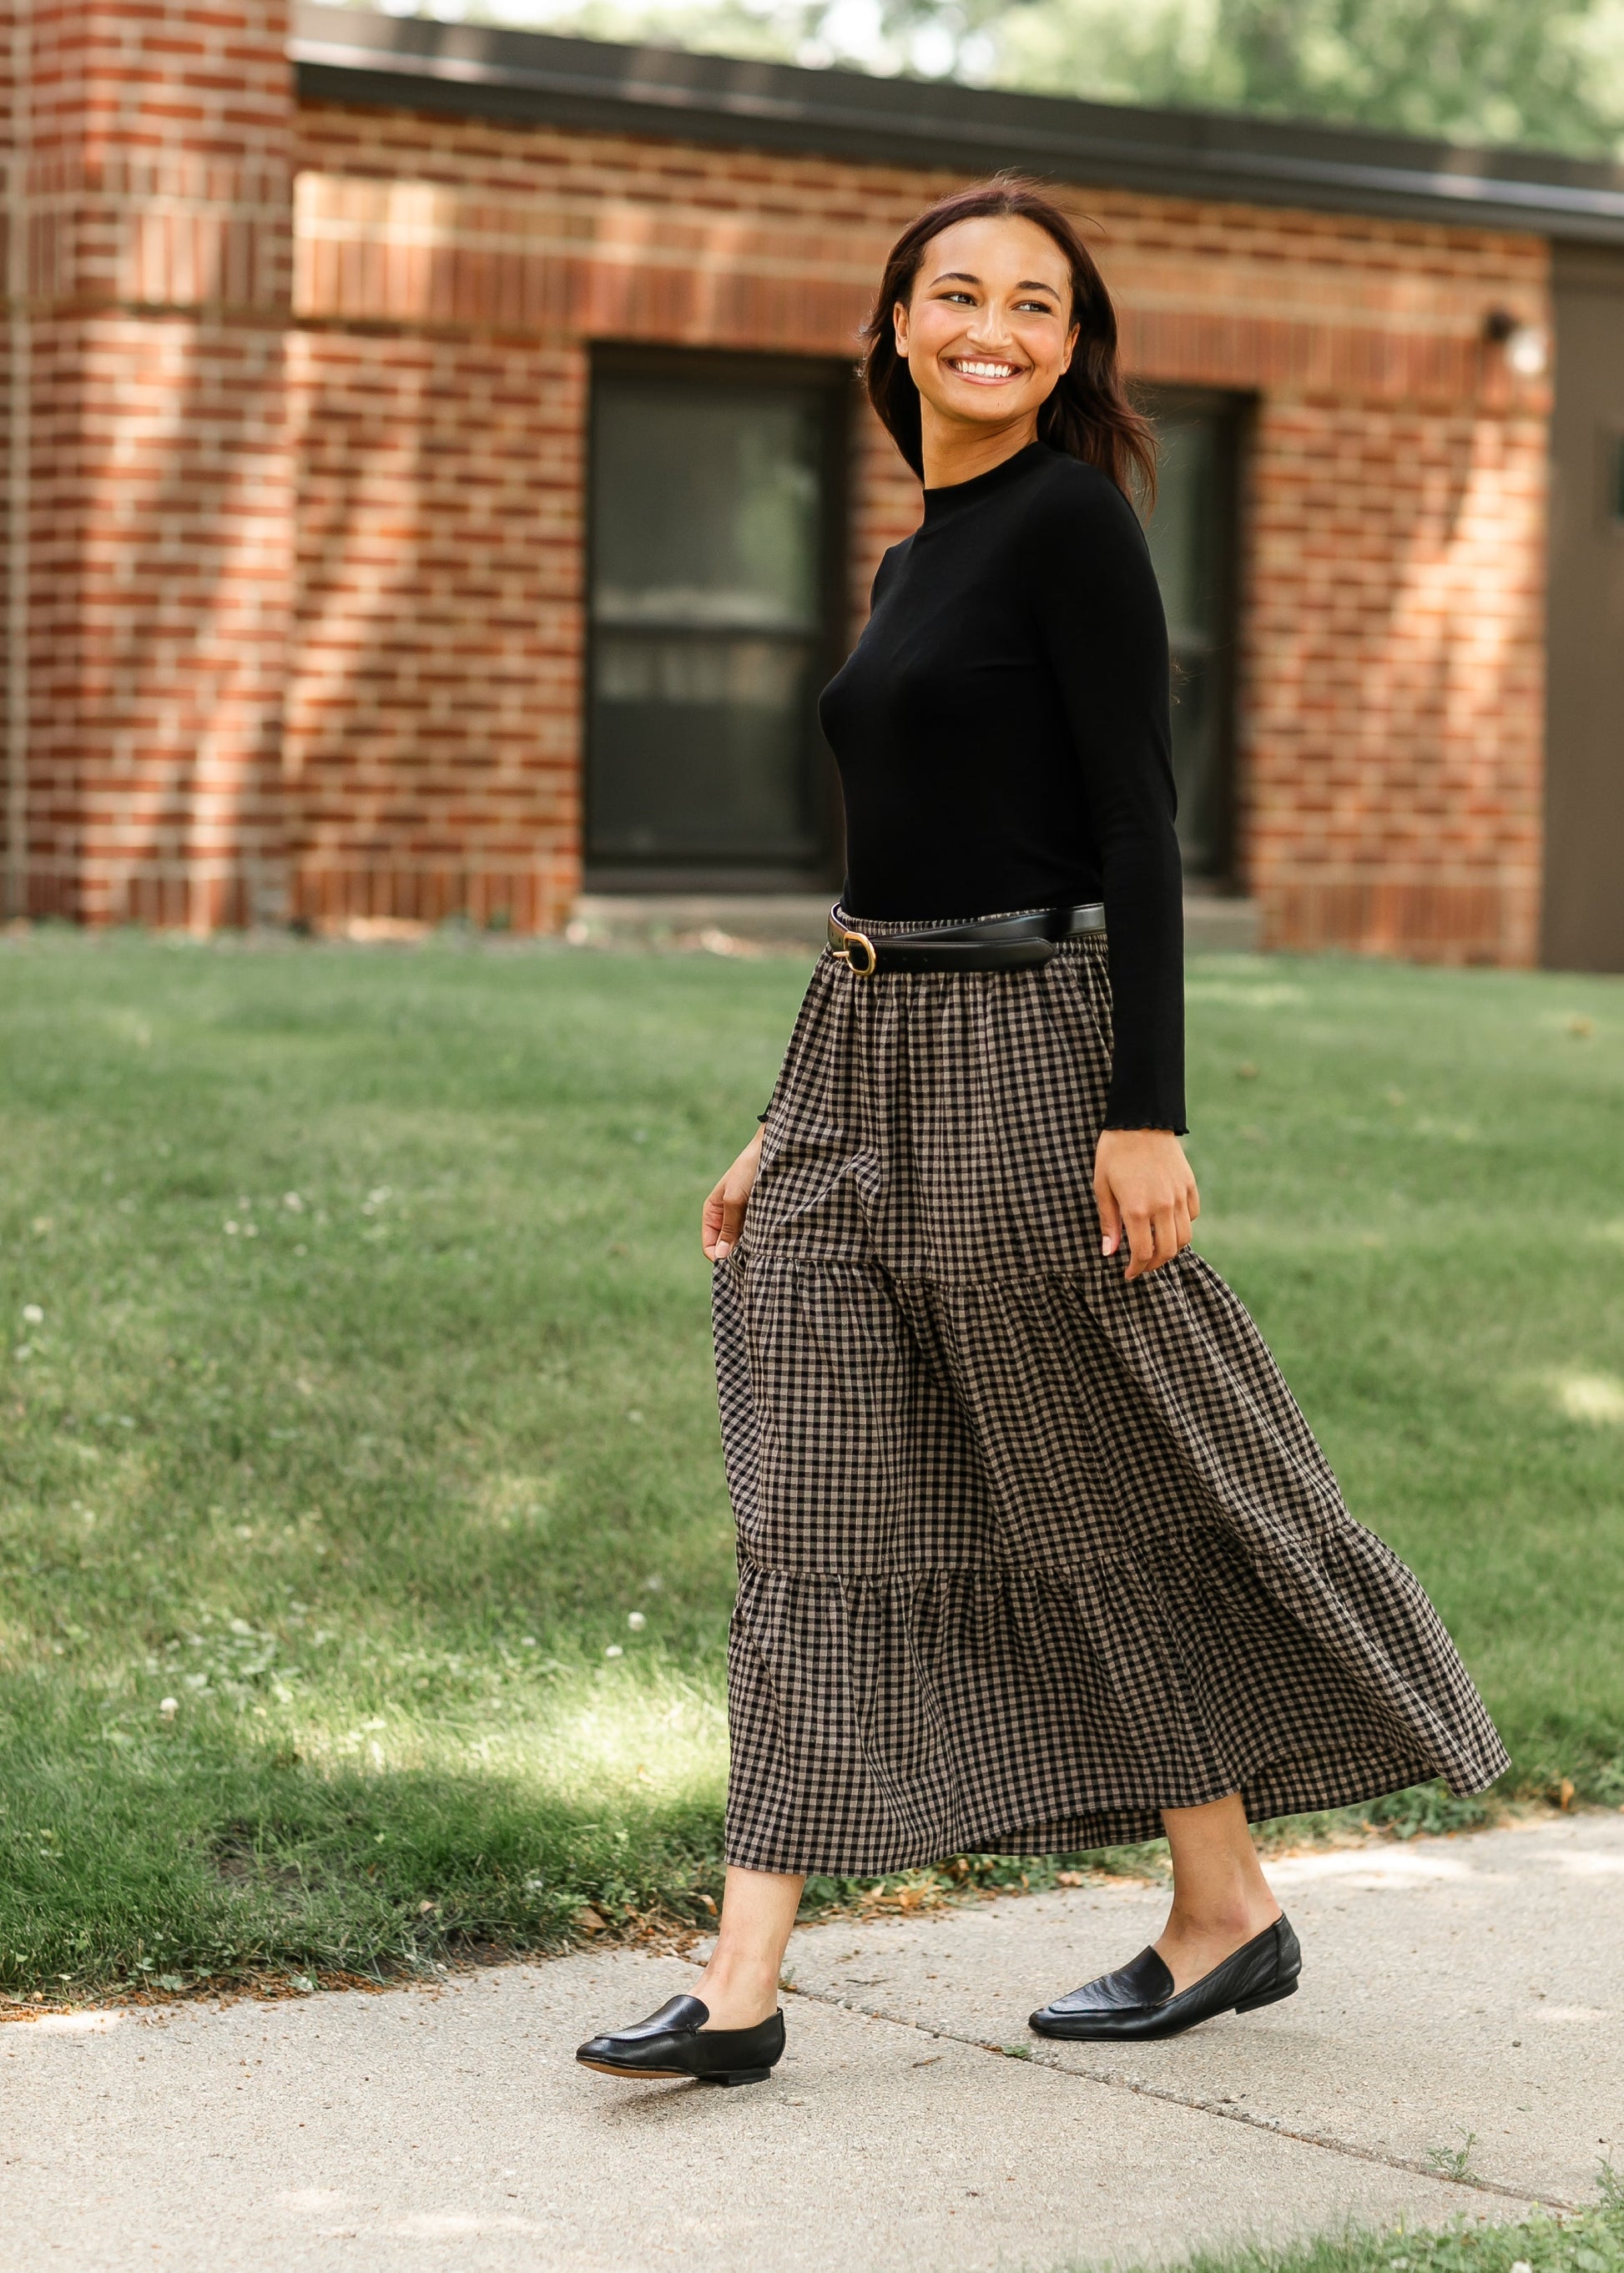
(355,1397)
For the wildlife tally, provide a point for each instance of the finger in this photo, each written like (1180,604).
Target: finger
(1155,1243)
(1141,1246)
(1164,1225)
(710,1222)
(1181,1223)
(1192,1199)
(1110,1218)
(732,1223)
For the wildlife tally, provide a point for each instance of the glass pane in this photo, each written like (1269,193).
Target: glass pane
(1185,546)
(698,747)
(1197,761)
(707,574)
(707,507)
(1181,532)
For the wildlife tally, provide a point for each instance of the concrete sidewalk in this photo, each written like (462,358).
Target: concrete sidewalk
(1450,1986)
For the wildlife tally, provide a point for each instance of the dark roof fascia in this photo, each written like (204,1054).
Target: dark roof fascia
(356,55)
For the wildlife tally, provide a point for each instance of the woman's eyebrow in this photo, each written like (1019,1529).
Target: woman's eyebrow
(963,277)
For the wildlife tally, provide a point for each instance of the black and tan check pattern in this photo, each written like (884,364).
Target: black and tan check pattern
(1026,1553)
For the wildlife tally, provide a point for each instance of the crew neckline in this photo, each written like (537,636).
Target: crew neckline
(953,495)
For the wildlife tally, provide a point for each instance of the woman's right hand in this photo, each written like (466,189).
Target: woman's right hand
(724,1216)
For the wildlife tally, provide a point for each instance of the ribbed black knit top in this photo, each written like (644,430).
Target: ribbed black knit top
(1003,735)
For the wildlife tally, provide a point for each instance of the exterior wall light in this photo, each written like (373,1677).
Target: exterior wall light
(1528,349)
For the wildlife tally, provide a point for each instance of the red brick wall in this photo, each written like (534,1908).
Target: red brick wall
(10,121)
(15,393)
(159,241)
(434,699)
(1390,699)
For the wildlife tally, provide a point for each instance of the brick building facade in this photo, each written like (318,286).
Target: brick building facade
(301,361)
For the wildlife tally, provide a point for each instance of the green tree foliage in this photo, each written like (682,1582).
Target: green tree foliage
(1548,73)
(1540,71)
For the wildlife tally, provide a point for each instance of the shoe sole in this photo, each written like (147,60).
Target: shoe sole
(633,2075)
(724,2076)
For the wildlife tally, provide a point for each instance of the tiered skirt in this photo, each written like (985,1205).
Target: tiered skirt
(1026,1553)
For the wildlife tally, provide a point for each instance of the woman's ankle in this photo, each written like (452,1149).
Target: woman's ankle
(738,1992)
(1236,1917)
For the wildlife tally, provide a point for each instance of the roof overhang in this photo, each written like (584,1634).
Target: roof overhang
(354,56)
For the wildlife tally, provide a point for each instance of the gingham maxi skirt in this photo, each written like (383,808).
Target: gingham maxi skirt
(1026,1553)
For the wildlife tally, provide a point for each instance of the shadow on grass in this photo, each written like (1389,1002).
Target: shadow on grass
(224,1869)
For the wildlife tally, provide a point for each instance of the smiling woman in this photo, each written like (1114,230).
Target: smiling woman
(1035,1549)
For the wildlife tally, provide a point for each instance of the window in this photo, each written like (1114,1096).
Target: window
(714,590)
(1192,542)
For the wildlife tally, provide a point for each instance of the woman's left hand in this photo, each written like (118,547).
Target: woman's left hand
(1143,1185)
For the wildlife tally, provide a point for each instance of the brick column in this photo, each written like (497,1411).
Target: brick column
(157,175)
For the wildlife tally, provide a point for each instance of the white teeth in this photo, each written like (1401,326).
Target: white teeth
(986,370)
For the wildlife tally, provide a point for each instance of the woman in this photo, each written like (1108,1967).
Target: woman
(1035,1550)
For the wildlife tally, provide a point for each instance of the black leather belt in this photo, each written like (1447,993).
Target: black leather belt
(982,943)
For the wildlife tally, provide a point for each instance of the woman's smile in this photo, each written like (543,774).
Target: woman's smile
(984,372)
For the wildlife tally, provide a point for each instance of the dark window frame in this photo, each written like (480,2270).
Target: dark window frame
(1610,451)
(1232,413)
(835,382)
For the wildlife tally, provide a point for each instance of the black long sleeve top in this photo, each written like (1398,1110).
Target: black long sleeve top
(1003,735)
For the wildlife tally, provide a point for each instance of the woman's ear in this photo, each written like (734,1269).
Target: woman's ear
(899,325)
(1071,348)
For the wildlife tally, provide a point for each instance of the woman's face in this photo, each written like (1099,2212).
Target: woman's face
(987,330)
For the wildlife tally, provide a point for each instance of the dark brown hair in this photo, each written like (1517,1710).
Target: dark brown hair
(1088,416)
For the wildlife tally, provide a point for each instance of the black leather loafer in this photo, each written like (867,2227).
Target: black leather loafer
(1137,2000)
(675,2042)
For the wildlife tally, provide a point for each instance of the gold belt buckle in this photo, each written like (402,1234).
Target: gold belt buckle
(842,953)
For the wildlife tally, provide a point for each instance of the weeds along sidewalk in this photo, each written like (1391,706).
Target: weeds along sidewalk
(1581,2241)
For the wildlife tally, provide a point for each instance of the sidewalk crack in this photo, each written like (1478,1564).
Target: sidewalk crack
(1035,2056)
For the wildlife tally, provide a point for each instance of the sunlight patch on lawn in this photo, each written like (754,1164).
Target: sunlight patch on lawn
(587,1737)
(510,1500)
(1597,1398)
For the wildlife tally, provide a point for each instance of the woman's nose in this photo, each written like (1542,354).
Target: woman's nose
(990,328)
